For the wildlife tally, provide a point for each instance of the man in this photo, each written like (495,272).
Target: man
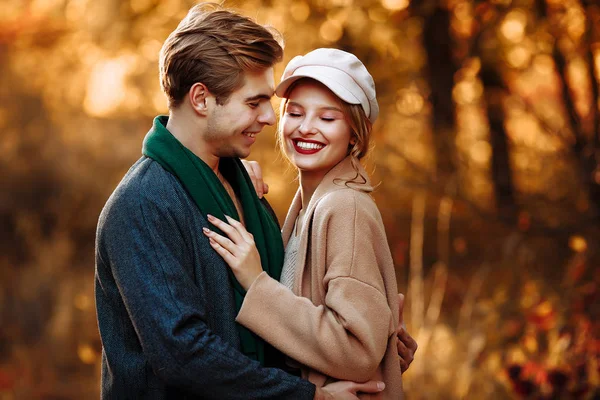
(166,302)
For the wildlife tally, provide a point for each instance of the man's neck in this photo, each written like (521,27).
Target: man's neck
(189,133)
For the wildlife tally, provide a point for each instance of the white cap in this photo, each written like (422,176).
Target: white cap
(342,72)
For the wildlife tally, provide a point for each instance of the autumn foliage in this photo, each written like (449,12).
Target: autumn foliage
(487,151)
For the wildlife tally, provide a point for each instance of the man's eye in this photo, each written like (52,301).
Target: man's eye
(253,105)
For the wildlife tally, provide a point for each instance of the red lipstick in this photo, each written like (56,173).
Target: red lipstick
(307,151)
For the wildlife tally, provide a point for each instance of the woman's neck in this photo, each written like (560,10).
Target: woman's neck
(308,185)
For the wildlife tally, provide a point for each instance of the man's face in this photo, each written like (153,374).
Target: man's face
(233,126)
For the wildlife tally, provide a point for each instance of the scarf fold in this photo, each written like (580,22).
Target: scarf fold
(210,196)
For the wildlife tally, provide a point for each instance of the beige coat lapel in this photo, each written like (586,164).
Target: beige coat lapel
(334,180)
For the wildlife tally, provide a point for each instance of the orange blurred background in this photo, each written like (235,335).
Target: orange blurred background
(486,151)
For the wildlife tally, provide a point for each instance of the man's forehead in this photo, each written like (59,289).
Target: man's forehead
(258,85)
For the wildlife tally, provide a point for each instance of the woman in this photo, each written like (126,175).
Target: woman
(336,307)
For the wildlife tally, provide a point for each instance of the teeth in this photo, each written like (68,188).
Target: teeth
(309,146)
(250,135)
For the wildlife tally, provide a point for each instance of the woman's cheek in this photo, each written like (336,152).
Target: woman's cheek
(289,126)
(285,135)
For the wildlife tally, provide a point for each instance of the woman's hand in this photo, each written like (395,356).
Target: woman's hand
(255,173)
(238,251)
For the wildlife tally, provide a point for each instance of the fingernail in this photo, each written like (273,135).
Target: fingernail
(380,386)
(206,230)
(228,217)
(210,217)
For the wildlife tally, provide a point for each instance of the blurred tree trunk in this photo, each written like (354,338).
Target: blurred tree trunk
(585,128)
(502,174)
(441,69)
(592,164)
(494,92)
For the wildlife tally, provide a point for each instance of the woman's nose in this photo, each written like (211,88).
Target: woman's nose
(307,127)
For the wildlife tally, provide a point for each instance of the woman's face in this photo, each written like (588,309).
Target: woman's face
(315,133)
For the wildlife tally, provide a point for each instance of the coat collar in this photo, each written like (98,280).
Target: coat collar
(336,179)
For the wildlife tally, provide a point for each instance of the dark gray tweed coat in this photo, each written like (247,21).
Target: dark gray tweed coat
(165,304)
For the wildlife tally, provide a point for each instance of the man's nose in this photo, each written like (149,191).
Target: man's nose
(267,117)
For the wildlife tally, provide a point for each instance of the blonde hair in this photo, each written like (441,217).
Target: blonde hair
(215,46)
(360,129)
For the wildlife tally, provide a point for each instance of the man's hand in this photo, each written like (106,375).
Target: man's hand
(255,173)
(407,346)
(344,390)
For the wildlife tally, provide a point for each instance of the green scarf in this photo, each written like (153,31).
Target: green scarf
(211,198)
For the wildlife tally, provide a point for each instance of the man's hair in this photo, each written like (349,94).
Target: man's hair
(215,46)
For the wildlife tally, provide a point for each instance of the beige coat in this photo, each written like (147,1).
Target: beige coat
(343,325)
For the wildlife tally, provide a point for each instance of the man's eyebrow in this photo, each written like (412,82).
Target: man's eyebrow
(261,96)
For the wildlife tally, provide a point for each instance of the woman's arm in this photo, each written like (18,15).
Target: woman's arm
(346,337)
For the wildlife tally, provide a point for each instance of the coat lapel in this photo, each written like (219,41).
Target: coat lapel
(290,218)
(334,180)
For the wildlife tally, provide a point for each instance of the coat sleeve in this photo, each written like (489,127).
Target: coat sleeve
(346,337)
(142,241)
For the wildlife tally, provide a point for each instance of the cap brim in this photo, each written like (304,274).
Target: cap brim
(326,76)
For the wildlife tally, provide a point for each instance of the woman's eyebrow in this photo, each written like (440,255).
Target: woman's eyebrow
(331,108)
(293,103)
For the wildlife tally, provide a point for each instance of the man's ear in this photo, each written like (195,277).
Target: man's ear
(199,95)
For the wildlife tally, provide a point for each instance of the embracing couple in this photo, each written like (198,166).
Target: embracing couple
(199,293)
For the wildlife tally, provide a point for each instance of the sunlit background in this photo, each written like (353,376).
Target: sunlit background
(486,152)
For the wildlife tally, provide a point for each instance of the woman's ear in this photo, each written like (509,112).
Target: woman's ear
(198,95)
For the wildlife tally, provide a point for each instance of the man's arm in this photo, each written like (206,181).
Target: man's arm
(407,346)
